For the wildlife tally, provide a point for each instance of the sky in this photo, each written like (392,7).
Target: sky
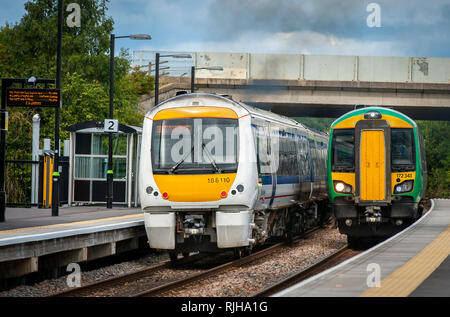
(415,28)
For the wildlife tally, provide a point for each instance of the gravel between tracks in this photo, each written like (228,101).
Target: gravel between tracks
(248,279)
(49,287)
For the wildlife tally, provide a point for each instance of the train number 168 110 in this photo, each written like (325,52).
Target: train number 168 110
(218,180)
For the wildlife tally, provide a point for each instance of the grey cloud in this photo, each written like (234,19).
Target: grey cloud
(229,18)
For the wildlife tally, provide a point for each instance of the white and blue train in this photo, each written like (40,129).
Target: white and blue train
(216,173)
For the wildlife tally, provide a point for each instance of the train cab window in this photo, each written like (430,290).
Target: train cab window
(343,150)
(195,146)
(402,150)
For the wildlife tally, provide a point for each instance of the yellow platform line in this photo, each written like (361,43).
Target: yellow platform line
(59,225)
(407,278)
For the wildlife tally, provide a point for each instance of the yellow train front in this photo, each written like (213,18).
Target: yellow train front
(376,172)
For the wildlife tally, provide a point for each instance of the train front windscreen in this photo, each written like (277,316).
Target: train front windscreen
(195,146)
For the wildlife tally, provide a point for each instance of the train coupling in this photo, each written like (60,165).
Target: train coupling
(373,214)
(193,225)
(193,231)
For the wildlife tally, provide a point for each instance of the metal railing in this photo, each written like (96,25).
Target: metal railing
(169,66)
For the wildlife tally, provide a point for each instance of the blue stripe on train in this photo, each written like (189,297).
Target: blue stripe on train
(267,180)
(288,179)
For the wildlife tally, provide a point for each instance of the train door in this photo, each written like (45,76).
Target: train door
(305,168)
(373,169)
(262,143)
(373,164)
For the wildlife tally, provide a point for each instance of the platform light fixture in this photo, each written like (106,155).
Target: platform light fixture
(216,68)
(110,175)
(157,58)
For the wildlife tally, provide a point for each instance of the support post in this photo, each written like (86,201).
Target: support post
(5,84)
(55,195)
(110,175)
(192,79)
(156,79)
(35,157)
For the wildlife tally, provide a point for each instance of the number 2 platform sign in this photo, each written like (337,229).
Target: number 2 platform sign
(111,125)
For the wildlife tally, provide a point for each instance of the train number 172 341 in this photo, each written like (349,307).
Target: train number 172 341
(404,175)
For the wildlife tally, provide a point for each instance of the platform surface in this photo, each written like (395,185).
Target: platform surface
(414,262)
(33,224)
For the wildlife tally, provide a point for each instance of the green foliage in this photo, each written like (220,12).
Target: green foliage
(28,48)
(321,124)
(437,149)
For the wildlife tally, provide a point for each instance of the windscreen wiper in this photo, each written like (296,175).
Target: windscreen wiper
(181,161)
(211,159)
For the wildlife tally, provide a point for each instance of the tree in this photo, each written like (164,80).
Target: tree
(28,48)
(437,149)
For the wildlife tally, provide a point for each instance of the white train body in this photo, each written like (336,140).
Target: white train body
(215,173)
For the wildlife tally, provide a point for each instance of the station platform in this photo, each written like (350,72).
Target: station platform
(31,239)
(415,263)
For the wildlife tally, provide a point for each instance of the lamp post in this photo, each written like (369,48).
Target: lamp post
(219,68)
(110,173)
(157,57)
(55,193)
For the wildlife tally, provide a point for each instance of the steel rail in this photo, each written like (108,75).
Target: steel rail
(92,287)
(157,291)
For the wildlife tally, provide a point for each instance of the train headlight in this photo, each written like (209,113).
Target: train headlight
(240,188)
(339,187)
(149,190)
(342,187)
(372,115)
(404,187)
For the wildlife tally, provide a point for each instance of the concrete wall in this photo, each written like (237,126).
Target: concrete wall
(324,67)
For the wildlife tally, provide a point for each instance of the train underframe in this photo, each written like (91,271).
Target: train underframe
(375,221)
(214,231)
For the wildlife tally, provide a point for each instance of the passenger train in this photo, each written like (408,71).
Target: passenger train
(376,173)
(219,174)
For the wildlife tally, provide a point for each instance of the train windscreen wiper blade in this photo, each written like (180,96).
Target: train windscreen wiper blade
(181,161)
(211,159)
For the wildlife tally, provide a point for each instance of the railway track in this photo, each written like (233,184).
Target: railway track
(184,283)
(330,261)
(118,282)
(126,278)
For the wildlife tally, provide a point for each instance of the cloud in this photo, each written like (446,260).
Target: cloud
(230,18)
(297,42)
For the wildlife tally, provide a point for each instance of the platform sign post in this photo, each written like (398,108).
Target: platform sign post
(2,153)
(55,201)
(21,97)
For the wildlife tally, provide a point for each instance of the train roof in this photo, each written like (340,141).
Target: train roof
(252,110)
(382,110)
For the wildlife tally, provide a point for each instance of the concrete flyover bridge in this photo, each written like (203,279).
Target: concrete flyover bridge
(321,85)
